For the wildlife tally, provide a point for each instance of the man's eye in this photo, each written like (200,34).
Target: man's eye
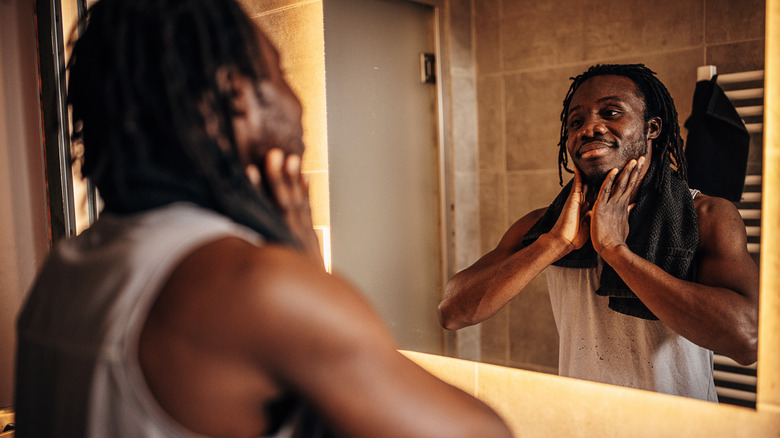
(611,113)
(574,123)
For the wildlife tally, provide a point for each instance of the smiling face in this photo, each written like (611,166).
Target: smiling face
(606,126)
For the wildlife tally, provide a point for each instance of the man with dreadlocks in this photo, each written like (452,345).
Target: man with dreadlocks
(646,276)
(197,305)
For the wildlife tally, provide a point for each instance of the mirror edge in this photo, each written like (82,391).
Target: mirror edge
(769,309)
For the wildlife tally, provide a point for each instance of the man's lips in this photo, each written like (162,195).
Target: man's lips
(594,148)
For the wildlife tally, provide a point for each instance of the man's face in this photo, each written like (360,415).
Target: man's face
(272,113)
(606,127)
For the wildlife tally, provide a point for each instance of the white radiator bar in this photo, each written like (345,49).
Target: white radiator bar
(750,213)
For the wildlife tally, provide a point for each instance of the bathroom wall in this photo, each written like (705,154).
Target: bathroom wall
(525,53)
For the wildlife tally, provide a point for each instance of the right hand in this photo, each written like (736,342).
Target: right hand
(573,227)
(289,189)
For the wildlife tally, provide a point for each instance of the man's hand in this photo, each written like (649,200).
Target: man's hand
(572,225)
(290,191)
(609,217)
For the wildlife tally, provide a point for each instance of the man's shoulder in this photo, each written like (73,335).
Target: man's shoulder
(718,218)
(707,205)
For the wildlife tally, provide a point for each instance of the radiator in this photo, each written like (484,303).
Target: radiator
(734,383)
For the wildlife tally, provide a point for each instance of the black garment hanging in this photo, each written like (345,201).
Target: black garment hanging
(717,144)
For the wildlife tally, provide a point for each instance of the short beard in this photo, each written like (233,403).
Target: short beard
(633,152)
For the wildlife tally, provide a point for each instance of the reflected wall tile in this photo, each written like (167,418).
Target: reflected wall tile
(319,197)
(492,153)
(531,189)
(464,123)
(736,57)
(460,27)
(467,229)
(254,7)
(488,45)
(493,209)
(729,20)
(496,338)
(532,329)
(630,26)
(469,342)
(533,109)
(488,9)
(540,34)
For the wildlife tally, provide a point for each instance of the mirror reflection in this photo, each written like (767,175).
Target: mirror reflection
(523,57)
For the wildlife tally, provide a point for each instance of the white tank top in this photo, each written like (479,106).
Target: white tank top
(601,345)
(78,369)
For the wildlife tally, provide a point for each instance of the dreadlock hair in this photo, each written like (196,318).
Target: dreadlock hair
(143,89)
(658,103)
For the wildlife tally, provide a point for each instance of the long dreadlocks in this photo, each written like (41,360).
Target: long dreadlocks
(143,88)
(658,103)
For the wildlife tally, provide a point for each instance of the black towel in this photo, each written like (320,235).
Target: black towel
(663,229)
(717,145)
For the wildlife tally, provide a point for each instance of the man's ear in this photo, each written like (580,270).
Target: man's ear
(654,128)
(235,85)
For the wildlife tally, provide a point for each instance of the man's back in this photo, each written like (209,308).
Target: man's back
(83,319)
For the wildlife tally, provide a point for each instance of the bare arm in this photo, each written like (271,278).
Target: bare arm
(326,343)
(720,310)
(481,290)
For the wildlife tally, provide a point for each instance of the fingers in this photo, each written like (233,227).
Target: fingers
(288,185)
(622,185)
(635,177)
(606,186)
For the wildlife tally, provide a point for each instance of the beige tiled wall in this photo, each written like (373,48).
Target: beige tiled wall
(525,53)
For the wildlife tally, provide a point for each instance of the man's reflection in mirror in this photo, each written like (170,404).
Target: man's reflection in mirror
(647,276)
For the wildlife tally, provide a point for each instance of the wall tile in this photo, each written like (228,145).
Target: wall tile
(492,152)
(630,26)
(531,189)
(488,45)
(254,7)
(495,338)
(464,123)
(467,229)
(543,34)
(729,20)
(737,56)
(532,328)
(533,109)
(489,10)
(460,26)
(493,209)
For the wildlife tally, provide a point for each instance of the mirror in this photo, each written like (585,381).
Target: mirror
(524,58)
(484,94)
(509,66)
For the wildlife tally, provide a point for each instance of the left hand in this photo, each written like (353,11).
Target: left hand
(609,216)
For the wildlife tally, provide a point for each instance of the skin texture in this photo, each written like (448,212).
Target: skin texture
(238,326)
(610,140)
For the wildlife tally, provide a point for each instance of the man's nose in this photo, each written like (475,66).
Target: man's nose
(593,127)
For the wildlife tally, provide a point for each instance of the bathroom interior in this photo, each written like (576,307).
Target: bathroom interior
(413,179)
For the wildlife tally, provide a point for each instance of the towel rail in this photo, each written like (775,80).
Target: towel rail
(734,383)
